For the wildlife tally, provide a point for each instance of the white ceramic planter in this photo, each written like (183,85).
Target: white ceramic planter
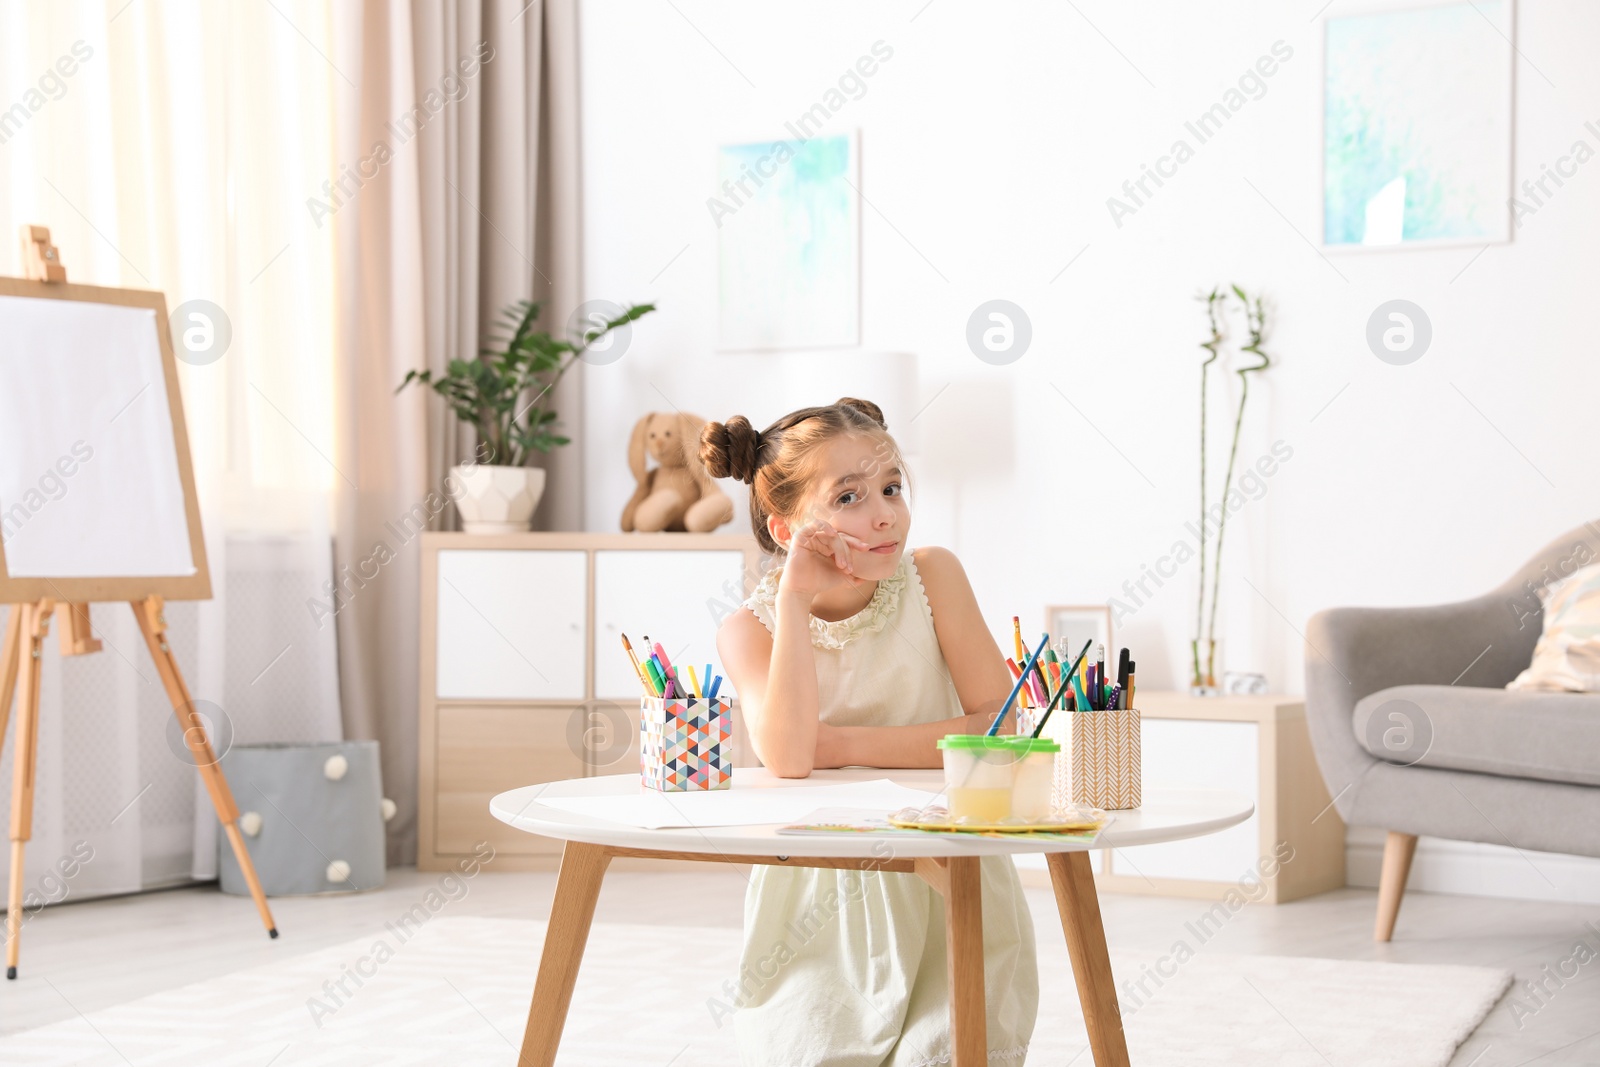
(496,499)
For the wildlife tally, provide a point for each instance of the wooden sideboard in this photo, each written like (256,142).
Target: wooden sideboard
(523,674)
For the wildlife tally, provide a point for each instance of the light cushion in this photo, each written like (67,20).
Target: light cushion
(1552,737)
(1567,657)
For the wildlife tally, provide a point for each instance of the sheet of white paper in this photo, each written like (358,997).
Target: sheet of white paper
(89,484)
(741,807)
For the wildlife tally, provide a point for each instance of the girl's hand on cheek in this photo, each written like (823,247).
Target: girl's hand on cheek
(819,559)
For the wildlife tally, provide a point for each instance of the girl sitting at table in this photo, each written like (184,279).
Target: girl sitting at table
(854,651)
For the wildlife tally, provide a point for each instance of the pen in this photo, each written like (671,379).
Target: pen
(694,683)
(716,684)
(1099,673)
(656,687)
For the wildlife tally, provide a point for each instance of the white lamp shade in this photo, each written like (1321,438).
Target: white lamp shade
(888,379)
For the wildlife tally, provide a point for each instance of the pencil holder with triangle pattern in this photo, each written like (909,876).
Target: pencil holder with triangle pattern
(686,743)
(1100,760)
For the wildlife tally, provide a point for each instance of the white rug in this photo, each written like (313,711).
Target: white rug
(456,992)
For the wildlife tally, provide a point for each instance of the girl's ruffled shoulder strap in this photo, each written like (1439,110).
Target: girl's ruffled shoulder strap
(840,632)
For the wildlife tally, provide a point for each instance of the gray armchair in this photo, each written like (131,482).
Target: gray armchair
(1414,731)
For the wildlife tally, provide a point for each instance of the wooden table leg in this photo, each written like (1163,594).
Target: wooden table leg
(963,925)
(1073,879)
(577,889)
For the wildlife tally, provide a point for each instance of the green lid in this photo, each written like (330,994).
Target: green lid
(1020,746)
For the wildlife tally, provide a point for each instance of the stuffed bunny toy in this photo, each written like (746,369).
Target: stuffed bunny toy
(680,494)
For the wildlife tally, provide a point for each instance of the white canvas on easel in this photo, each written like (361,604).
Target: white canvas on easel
(97,503)
(83,380)
(92,367)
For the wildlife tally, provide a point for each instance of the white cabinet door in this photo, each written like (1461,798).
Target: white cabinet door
(511,624)
(677,597)
(1196,754)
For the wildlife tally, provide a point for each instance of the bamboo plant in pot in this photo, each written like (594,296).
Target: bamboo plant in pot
(1203,671)
(505,395)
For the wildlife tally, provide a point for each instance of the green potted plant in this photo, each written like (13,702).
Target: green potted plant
(505,395)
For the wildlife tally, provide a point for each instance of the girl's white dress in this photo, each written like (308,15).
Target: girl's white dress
(847,968)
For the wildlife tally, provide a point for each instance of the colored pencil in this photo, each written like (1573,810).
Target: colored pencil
(637,669)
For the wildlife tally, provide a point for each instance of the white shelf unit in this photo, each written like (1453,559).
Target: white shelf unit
(523,678)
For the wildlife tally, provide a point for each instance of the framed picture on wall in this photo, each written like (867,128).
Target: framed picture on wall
(1416,124)
(1069,626)
(788,216)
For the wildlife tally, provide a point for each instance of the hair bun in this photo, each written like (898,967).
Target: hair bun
(729,449)
(866,407)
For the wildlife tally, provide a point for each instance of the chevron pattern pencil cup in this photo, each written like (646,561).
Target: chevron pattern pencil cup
(1099,763)
(685,743)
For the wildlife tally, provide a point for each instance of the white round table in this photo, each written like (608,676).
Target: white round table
(949,865)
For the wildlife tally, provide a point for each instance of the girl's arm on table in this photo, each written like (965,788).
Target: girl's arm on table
(976,667)
(776,679)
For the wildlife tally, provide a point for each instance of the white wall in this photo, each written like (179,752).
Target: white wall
(990,143)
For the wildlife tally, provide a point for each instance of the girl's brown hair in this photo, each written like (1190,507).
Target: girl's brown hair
(779,463)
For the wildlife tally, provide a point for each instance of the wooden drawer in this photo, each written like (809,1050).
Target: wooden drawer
(484,750)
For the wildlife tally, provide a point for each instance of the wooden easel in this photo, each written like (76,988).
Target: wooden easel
(20,661)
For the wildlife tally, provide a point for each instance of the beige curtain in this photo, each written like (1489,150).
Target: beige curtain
(465,115)
(171,146)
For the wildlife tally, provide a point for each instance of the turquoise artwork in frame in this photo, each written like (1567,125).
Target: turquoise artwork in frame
(1416,134)
(788,221)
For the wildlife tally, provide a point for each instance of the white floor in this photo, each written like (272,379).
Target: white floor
(84,956)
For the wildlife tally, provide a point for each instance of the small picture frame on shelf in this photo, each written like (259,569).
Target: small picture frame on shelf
(1070,625)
